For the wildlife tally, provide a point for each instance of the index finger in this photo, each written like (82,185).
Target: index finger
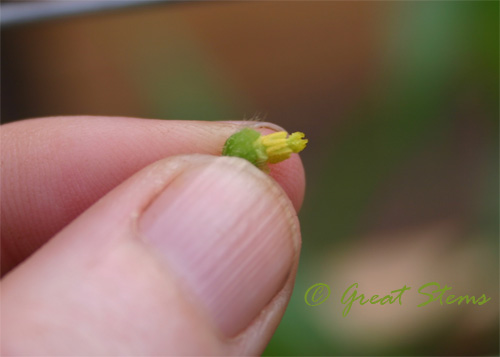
(53,169)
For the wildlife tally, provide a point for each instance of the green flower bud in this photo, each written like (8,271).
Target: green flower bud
(259,149)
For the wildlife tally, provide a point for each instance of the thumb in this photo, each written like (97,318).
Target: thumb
(193,255)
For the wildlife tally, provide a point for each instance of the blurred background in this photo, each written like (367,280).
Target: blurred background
(399,100)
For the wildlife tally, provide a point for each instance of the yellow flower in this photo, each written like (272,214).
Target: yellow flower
(260,149)
(278,147)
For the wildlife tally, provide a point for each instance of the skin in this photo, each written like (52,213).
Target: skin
(55,169)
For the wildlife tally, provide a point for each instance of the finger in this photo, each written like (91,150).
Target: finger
(55,168)
(194,255)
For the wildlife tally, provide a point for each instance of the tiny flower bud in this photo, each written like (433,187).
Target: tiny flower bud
(260,149)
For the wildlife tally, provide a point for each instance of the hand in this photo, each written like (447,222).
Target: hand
(194,254)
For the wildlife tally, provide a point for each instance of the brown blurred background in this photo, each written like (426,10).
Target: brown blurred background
(399,101)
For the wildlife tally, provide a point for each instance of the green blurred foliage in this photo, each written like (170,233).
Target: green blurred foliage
(432,53)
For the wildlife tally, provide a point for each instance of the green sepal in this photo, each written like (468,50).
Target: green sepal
(245,144)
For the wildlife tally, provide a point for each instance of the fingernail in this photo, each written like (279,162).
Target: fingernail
(230,234)
(258,124)
(267,125)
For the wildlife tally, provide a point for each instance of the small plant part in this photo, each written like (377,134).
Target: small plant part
(261,149)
